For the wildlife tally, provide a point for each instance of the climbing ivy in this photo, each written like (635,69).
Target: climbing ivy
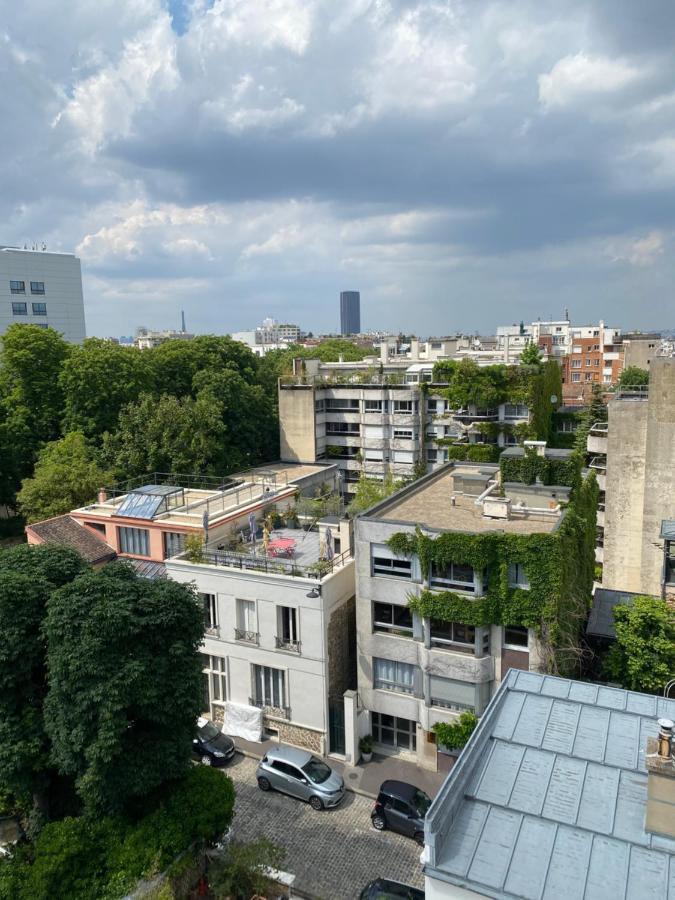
(527,468)
(559,567)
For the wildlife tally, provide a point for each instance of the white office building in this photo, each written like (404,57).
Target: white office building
(42,288)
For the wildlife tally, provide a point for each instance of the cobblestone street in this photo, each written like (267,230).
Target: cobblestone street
(333,853)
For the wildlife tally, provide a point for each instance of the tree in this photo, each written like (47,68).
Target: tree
(633,376)
(66,476)
(455,735)
(370,491)
(594,413)
(242,872)
(643,657)
(175,363)
(97,380)
(530,356)
(125,684)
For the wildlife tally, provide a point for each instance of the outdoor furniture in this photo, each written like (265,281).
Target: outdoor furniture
(281,547)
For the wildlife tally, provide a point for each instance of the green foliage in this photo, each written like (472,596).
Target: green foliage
(559,566)
(454,736)
(366,743)
(634,376)
(528,468)
(370,491)
(106,705)
(194,548)
(595,412)
(174,364)
(105,858)
(530,356)
(66,476)
(241,873)
(643,657)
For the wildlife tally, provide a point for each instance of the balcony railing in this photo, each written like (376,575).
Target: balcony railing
(212,631)
(248,637)
(276,565)
(277,712)
(282,644)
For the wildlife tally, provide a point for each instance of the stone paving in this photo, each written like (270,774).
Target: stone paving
(333,853)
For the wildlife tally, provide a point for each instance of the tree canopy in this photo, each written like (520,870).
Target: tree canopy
(634,376)
(643,657)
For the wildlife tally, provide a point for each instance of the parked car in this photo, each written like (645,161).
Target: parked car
(401,807)
(210,746)
(300,774)
(384,889)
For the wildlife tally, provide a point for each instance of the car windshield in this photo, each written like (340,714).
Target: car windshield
(317,771)
(421,803)
(208,732)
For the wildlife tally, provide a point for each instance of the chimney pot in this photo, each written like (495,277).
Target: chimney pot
(102,495)
(665,750)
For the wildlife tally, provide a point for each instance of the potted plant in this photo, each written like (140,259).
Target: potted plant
(366,747)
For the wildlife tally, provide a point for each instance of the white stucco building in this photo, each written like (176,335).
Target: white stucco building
(42,288)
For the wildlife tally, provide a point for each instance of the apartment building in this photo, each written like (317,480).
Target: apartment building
(42,288)
(595,357)
(271,335)
(415,666)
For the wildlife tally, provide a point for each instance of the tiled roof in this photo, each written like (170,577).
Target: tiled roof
(66,532)
(548,798)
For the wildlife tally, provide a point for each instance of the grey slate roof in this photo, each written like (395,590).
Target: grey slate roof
(548,798)
(66,532)
(146,568)
(601,618)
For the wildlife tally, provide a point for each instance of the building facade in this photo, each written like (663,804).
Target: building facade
(44,289)
(595,357)
(350,312)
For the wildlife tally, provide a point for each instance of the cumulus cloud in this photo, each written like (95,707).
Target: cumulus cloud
(574,78)
(642,252)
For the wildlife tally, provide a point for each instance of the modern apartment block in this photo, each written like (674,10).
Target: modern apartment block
(350,312)
(271,335)
(637,472)
(42,288)
(595,357)
(416,666)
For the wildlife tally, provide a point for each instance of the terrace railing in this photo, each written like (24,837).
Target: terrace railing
(271,565)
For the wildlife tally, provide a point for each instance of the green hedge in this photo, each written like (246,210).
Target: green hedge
(526,469)
(82,859)
(472,452)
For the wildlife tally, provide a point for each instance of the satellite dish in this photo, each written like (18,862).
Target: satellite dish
(554,399)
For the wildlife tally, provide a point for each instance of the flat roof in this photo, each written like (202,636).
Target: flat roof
(428,502)
(548,797)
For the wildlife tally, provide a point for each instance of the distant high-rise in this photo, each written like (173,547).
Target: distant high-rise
(350,312)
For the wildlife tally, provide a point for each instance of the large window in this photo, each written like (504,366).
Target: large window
(453,635)
(37,287)
(343,404)
(405,434)
(454,575)
(375,406)
(269,686)
(518,576)
(215,680)
(342,428)
(452,694)
(403,406)
(135,541)
(174,543)
(390,675)
(17,287)
(390,731)
(287,628)
(515,636)
(246,629)
(210,608)
(39,309)
(19,309)
(392,618)
(384,562)
(516,411)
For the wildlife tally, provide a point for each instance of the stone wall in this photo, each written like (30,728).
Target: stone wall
(342,650)
(306,738)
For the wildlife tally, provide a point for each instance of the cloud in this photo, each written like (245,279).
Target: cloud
(575,78)
(642,252)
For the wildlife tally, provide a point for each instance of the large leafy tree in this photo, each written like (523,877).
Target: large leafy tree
(175,363)
(67,475)
(97,380)
(643,657)
(124,683)
(634,376)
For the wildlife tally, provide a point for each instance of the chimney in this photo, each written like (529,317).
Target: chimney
(102,495)
(660,818)
(384,350)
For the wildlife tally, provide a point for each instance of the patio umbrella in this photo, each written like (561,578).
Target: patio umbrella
(330,549)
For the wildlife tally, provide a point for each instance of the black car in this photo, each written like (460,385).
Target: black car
(383,889)
(401,807)
(210,746)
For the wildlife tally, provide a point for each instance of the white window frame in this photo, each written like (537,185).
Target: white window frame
(210,608)
(134,538)
(215,669)
(518,577)
(522,648)
(396,684)
(381,570)
(269,686)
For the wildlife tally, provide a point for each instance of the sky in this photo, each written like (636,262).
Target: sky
(463,164)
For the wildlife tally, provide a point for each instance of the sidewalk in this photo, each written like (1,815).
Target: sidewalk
(366,778)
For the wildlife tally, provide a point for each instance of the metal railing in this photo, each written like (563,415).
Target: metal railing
(248,637)
(277,712)
(196,482)
(270,565)
(282,644)
(637,392)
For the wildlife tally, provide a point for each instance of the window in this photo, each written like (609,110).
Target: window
(588,360)
(39,309)
(97,526)
(390,731)
(576,349)
(596,362)
(390,675)
(405,434)
(342,403)
(174,544)
(588,376)
(518,576)
(451,694)
(403,456)
(17,287)
(134,540)
(342,428)
(210,608)
(567,426)
(37,287)
(392,618)
(373,432)
(403,406)
(670,562)
(459,576)
(432,456)
(19,309)
(215,682)
(444,634)
(287,628)
(320,406)
(558,339)
(515,636)
(576,363)
(246,629)
(375,406)
(386,563)
(269,687)
(516,411)
(576,376)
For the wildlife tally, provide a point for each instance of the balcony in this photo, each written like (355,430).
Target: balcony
(596,442)
(246,637)
(212,631)
(274,712)
(289,646)
(599,554)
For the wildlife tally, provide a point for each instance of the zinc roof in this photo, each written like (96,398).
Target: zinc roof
(548,798)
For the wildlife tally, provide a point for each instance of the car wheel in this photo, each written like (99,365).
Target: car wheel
(315,802)
(206,760)
(419,837)
(378,823)
(263,783)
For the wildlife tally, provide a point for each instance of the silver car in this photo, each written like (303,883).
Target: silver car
(298,773)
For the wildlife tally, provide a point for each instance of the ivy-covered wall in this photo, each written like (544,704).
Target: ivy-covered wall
(559,567)
(526,469)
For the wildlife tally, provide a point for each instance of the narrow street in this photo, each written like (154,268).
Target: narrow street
(332,853)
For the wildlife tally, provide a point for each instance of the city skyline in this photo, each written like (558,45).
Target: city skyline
(463,164)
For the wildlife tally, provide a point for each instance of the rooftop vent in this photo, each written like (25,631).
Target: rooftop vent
(660,764)
(539,446)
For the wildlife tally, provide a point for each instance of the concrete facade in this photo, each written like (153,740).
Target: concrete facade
(42,288)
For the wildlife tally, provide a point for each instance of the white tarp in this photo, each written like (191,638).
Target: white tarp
(243,721)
